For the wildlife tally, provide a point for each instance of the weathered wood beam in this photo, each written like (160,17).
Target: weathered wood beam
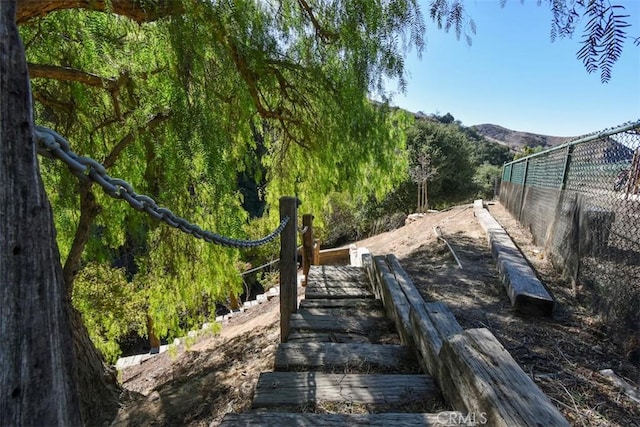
(527,294)
(300,388)
(395,301)
(330,356)
(277,419)
(488,381)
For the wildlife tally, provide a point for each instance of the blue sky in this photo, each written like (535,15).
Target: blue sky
(514,76)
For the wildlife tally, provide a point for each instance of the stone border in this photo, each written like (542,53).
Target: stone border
(125,362)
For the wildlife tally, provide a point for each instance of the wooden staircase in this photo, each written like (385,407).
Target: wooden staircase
(344,365)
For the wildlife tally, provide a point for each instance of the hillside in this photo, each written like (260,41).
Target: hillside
(195,385)
(517,140)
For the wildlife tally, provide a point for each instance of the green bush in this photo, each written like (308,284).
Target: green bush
(485,180)
(110,306)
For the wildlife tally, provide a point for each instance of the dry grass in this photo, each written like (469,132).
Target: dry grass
(563,354)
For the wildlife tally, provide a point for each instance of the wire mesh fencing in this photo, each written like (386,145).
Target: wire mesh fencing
(581,201)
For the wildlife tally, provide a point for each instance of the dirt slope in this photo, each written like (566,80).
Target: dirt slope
(196,386)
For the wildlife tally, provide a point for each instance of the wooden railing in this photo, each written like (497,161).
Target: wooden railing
(311,255)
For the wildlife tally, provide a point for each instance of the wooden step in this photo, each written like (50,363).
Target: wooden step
(277,389)
(329,356)
(278,419)
(359,325)
(342,312)
(353,303)
(344,290)
(340,337)
(335,273)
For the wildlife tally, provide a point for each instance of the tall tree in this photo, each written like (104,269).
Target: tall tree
(450,154)
(38,379)
(139,98)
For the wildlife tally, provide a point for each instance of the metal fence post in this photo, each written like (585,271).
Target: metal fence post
(288,264)
(565,167)
(524,183)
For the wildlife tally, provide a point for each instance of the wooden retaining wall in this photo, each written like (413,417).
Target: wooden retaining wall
(473,370)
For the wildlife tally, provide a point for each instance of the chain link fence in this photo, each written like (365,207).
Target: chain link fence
(581,201)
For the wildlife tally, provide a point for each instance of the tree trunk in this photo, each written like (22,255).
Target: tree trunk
(38,379)
(98,384)
(89,210)
(44,364)
(425,198)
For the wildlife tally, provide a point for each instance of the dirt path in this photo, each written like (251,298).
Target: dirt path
(198,385)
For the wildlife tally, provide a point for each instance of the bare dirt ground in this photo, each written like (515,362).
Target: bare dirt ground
(198,384)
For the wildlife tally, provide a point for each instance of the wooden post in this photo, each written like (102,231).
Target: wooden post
(233,302)
(288,264)
(154,341)
(316,252)
(307,245)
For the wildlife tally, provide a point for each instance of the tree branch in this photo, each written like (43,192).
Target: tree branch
(90,209)
(128,139)
(325,35)
(71,75)
(138,10)
(52,103)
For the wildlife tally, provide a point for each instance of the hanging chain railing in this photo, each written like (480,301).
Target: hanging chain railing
(52,145)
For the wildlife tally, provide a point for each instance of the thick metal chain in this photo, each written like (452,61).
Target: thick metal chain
(52,145)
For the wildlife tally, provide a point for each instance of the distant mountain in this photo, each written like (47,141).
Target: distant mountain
(517,140)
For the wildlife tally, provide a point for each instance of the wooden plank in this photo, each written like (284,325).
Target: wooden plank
(405,282)
(331,356)
(342,312)
(337,337)
(337,292)
(527,294)
(486,379)
(335,256)
(298,388)
(433,323)
(315,283)
(279,419)
(369,267)
(395,301)
(336,273)
(360,325)
(354,303)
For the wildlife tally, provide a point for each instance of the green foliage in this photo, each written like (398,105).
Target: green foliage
(491,153)
(451,156)
(603,35)
(179,112)
(110,305)
(604,38)
(527,151)
(485,180)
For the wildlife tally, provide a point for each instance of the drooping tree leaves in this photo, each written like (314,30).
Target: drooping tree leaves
(180,120)
(603,38)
